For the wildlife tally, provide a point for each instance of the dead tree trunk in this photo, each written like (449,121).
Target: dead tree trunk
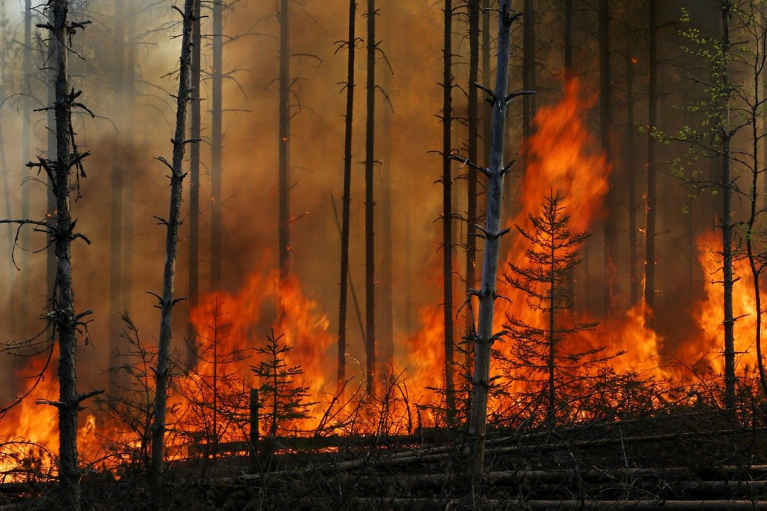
(472,150)
(492,232)
(370,336)
(652,201)
(605,112)
(284,171)
(116,249)
(63,317)
(727,223)
(346,208)
(384,304)
(51,208)
(216,144)
(568,79)
(447,209)
(528,70)
(194,179)
(25,149)
(172,224)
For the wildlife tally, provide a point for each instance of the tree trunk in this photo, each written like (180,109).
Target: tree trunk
(528,72)
(487,295)
(346,214)
(370,337)
(216,145)
(64,318)
(727,224)
(447,209)
(116,249)
(167,301)
(194,180)
(630,157)
(652,201)
(25,149)
(552,411)
(284,186)
(473,150)
(51,208)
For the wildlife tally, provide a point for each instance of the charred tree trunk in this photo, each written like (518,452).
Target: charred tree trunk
(116,249)
(652,193)
(25,149)
(216,144)
(370,336)
(173,222)
(630,157)
(284,186)
(486,78)
(51,208)
(492,232)
(63,316)
(194,179)
(346,213)
(727,224)
(473,154)
(605,111)
(447,209)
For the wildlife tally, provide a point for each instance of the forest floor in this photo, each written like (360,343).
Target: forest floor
(702,461)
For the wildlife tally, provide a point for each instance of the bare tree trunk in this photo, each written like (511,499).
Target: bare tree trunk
(216,144)
(346,214)
(12,320)
(370,340)
(611,233)
(487,294)
(167,301)
(63,316)
(528,71)
(552,411)
(284,220)
(194,180)
(473,150)
(116,249)
(727,224)
(447,211)
(486,79)
(25,149)
(652,201)
(630,157)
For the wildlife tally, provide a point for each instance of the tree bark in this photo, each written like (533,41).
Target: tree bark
(129,182)
(216,145)
(652,201)
(173,222)
(284,171)
(346,207)
(610,227)
(528,71)
(370,337)
(487,295)
(568,79)
(194,180)
(447,209)
(51,208)
(384,305)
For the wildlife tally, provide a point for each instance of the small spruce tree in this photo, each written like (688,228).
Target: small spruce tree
(537,356)
(285,401)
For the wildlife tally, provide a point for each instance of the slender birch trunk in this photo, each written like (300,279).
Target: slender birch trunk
(173,222)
